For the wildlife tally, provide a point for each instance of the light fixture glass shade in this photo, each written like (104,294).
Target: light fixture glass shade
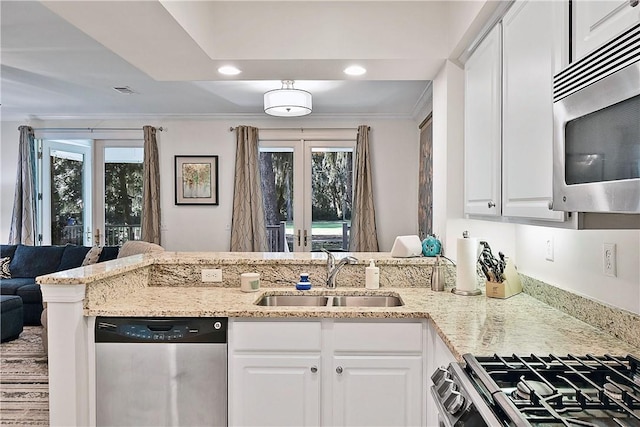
(287,101)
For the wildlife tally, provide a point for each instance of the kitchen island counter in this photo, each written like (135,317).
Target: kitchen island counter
(169,285)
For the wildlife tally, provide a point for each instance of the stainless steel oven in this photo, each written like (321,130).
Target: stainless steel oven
(596,163)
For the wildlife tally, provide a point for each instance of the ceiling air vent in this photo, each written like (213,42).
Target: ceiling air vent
(125,90)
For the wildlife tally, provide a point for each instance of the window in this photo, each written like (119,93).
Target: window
(307,190)
(119,174)
(64,202)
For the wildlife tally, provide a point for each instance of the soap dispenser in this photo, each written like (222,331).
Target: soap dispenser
(372,276)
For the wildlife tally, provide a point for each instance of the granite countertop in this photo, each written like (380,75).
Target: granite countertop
(468,324)
(477,324)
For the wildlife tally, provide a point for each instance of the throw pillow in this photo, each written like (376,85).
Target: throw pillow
(135,247)
(92,256)
(4,268)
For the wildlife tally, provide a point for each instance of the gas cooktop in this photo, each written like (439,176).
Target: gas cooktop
(550,390)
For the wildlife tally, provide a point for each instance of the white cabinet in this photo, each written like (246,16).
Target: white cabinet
(482,127)
(326,372)
(596,22)
(509,113)
(527,120)
(376,391)
(276,390)
(376,373)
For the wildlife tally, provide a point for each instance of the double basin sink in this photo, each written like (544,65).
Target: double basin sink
(330,301)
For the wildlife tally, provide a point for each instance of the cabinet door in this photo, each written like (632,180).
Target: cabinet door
(275,390)
(528,70)
(482,128)
(376,391)
(596,22)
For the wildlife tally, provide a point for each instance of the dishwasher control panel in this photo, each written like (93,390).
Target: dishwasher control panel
(183,329)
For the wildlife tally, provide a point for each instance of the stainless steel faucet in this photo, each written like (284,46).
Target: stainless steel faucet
(333,268)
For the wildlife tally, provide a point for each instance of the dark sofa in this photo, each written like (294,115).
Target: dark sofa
(28,262)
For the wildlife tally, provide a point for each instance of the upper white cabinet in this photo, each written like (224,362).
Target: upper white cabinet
(596,22)
(535,47)
(482,77)
(509,113)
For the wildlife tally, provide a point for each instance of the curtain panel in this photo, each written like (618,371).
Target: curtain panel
(425,179)
(364,236)
(248,225)
(23,218)
(151,188)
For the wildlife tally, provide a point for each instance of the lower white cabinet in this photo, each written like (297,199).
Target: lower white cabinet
(276,390)
(326,372)
(377,391)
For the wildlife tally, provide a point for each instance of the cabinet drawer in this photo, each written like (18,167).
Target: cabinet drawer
(375,337)
(273,335)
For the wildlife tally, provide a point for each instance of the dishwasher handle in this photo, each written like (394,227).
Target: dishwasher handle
(161,330)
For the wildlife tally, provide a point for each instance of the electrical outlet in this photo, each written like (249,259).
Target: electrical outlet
(549,249)
(212,275)
(609,259)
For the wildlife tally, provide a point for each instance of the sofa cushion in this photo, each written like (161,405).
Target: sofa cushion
(108,253)
(72,257)
(11,286)
(7,250)
(30,294)
(33,261)
(5,272)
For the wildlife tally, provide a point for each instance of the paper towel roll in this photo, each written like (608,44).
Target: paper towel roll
(467,252)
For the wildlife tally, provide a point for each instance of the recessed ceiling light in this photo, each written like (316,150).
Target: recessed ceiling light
(355,70)
(229,70)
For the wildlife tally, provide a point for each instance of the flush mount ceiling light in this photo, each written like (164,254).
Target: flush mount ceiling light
(355,70)
(229,70)
(287,101)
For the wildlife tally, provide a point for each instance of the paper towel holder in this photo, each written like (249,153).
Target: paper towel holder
(474,292)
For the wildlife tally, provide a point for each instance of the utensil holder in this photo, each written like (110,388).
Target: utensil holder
(509,287)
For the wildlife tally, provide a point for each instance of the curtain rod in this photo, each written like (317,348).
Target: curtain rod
(231,129)
(90,129)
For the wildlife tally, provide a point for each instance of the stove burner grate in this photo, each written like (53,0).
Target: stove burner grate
(570,390)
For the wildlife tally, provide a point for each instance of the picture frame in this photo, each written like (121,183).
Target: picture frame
(196,180)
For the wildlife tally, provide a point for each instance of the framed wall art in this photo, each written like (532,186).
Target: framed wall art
(196,180)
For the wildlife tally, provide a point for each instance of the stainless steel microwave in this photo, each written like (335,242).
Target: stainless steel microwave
(596,147)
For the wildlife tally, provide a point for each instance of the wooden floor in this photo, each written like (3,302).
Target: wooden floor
(24,380)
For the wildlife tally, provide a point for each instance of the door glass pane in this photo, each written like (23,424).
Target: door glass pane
(67,203)
(276,169)
(331,198)
(123,171)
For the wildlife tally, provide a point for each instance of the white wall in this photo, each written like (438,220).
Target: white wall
(448,120)
(394,146)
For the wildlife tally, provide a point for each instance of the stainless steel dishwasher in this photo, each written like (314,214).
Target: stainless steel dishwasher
(161,371)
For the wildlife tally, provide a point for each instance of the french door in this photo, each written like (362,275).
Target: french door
(307,192)
(117,211)
(65,196)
